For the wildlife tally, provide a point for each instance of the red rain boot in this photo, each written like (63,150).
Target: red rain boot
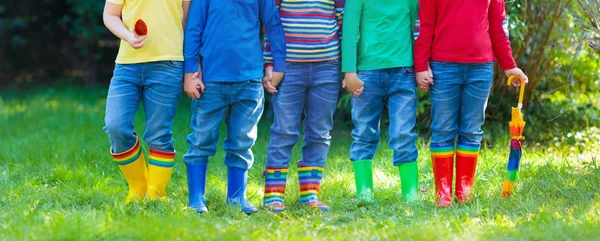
(466,164)
(442,160)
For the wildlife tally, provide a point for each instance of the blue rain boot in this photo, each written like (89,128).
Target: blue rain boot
(236,189)
(196,173)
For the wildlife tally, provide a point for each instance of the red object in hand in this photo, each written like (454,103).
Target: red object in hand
(140,28)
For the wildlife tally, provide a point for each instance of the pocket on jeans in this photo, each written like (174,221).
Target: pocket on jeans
(175,64)
(255,81)
(408,70)
(335,61)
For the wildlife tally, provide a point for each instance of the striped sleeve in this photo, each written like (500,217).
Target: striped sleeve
(339,14)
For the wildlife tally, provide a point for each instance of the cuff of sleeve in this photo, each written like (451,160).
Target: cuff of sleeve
(507,65)
(348,69)
(279,65)
(190,65)
(421,67)
(268,64)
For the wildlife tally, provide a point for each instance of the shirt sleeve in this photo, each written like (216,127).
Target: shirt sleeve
(269,14)
(193,35)
(414,18)
(424,42)
(352,15)
(339,15)
(116,1)
(268,56)
(500,42)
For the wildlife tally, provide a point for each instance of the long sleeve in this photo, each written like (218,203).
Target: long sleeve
(193,34)
(339,15)
(424,43)
(268,56)
(269,14)
(352,15)
(500,42)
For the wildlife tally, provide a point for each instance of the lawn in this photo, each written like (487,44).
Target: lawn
(57,182)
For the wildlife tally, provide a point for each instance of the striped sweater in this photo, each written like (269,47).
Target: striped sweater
(313,29)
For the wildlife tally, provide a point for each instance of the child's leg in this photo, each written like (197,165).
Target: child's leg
(472,117)
(445,106)
(208,111)
(124,95)
(288,105)
(366,116)
(321,104)
(162,90)
(245,110)
(402,106)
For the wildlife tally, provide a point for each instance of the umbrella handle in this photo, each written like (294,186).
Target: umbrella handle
(522,91)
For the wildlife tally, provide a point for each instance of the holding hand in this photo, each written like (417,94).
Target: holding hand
(517,72)
(192,85)
(136,41)
(272,79)
(353,84)
(424,79)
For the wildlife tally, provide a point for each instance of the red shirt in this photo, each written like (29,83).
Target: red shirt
(462,31)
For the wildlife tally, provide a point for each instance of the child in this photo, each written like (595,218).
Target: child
(457,46)
(377,49)
(149,70)
(311,86)
(223,71)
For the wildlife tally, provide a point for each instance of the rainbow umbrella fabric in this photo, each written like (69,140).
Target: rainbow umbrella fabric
(516,126)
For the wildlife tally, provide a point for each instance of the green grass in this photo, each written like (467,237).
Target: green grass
(57,181)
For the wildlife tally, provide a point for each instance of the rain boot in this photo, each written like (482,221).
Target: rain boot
(196,176)
(363,175)
(310,183)
(442,160)
(275,179)
(237,179)
(133,167)
(409,181)
(160,169)
(466,164)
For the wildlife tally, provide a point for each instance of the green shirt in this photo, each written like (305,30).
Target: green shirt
(378,34)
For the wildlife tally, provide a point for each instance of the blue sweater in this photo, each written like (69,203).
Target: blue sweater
(226,34)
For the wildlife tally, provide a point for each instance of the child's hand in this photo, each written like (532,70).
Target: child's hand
(192,85)
(424,79)
(353,84)
(268,80)
(136,41)
(517,72)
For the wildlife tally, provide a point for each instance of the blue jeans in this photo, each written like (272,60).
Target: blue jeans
(158,86)
(396,88)
(243,102)
(458,101)
(312,89)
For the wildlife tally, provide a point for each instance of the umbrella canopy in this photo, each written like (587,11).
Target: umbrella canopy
(516,126)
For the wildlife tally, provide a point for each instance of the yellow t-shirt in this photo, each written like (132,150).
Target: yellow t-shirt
(165,31)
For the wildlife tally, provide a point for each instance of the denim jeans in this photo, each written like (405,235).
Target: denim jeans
(458,101)
(243,102)
(158,86)
(396,88)
(312,89)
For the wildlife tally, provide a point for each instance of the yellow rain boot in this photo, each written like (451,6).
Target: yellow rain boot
(133,167)
(160,168)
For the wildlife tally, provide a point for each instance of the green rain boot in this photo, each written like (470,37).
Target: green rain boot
(409,181)
(363,175)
